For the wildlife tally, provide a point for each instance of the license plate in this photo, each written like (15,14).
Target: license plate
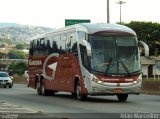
(2,83)
(118,90)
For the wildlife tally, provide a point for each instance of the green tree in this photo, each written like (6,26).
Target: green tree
(2,55)
(18,68)
(149,33)
(3,45)
(20,46)
(5,40)
(2,65)
(16,54)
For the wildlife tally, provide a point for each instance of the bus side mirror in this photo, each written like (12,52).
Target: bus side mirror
(143,47)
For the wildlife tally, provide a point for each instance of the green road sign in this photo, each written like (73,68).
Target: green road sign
(76,21)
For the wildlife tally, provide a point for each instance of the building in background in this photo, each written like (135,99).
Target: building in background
(151,66)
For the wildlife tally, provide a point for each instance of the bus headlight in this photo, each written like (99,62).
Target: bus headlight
(100,81)
(139,79)
(95,79)
(134,82)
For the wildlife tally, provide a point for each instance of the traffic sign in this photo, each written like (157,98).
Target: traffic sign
(76,21)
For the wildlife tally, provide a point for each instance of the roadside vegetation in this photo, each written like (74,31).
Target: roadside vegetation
(18,68)
(10,49)
(149,33)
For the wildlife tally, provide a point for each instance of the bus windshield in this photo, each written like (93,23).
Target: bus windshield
(114,55)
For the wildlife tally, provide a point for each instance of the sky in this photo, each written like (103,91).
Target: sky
(52,13)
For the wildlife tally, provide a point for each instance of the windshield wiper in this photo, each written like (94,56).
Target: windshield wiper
(124,66)
(136,72)
(97,71)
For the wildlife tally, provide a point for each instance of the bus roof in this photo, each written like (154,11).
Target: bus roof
(91,28)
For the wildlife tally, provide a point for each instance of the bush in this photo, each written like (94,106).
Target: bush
(18,68)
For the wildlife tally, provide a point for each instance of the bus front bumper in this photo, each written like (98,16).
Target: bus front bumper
(105,88)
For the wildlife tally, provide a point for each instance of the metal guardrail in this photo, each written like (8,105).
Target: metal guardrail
(13,60)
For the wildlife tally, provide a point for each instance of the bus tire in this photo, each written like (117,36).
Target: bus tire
(38,87)
(80,96)
(122,97)
(51,92)
(74,95)
(45,92)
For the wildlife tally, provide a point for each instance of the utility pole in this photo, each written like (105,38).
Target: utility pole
(120,3)
(108,12)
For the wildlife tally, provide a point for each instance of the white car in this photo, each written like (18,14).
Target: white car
(5,80)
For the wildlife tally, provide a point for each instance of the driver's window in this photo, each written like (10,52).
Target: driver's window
(84,58)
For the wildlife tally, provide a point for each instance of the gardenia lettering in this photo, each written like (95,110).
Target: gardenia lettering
(35,62)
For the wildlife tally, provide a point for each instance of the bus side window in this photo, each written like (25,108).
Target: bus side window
(63,48)
(74,49)
(35,48)
(68,43)
(42,43)
(57,43)
(48,44)
(38,44)
(33,44)
(54,47)
(31,49)
(73,46)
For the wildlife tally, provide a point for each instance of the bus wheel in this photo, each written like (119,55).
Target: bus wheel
(80,96)
(44,90)
(122,97)
(38,88)
(74,95)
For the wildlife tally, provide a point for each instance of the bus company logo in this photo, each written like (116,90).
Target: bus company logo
(110,79)
(52,66)
(35,62)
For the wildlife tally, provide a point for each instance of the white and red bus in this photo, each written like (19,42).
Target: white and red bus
(86,59)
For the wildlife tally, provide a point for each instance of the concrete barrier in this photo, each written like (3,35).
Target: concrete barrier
(151,86)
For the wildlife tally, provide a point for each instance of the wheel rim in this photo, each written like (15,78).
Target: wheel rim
(37,85)
(42,88)
(78,91)
(38,88)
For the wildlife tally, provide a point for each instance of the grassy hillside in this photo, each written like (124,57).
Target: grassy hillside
(22,32)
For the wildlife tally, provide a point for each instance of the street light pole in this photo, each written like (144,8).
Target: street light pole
(120,3)
(108,11)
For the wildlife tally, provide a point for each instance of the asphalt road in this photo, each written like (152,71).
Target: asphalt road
(64,105)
